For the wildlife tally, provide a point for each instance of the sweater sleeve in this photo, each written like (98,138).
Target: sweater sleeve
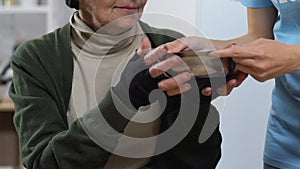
(46,141)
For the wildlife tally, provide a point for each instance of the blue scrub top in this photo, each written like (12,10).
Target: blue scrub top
(282,146)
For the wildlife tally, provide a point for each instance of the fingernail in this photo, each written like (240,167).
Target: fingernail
(188,75)
(206,92)
(164,47)
(186,87)
(139,51)
(153,72)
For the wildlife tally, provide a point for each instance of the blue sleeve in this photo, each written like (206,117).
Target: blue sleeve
(256,3)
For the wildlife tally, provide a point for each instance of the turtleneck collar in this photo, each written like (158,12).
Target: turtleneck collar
(94,44)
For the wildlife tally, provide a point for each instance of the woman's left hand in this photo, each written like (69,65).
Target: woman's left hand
(264,59)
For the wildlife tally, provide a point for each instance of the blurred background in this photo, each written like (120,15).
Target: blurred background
(243,114)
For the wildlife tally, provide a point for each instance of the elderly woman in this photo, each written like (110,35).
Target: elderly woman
(64,80)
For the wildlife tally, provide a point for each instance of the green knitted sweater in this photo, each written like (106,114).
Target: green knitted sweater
(41,88)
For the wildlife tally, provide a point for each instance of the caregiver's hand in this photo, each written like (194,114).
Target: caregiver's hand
(264,59)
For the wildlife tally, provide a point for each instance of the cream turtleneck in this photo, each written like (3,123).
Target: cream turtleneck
(96,57)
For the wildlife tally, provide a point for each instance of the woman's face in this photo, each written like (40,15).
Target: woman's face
(97,13)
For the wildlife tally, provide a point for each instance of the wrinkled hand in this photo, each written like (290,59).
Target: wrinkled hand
(263,59)
(174,85)
(179,83)
(135,82)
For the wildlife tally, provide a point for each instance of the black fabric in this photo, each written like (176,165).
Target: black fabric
(137,83)
(189,153)
(215,83)
(203,83)
(267,166)
(73,3)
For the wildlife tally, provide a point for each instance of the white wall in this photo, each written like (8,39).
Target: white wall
(171,12)
(59,15)
(23,26)
(16,27)
(244,119)
(244,115)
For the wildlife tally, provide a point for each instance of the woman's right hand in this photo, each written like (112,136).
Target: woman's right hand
(179,83)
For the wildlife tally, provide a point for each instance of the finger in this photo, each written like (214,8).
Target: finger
(174,82)
(226,89)
(231,84)
(245,69)
(245,61)
(235,51)
(240,77)
(206,91)
(222,90)
(177,45)
(221,51)
(181,89)
(145,46)
(155,54)
(229,87)
(261,76)
(226,52)
(164,65)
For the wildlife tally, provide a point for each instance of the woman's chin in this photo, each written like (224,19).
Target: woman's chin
(120,25)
